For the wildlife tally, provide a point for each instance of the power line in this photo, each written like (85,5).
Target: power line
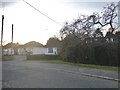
(41,12)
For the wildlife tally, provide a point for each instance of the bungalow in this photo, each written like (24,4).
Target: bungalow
(31,48)
(52,48)
(9,49)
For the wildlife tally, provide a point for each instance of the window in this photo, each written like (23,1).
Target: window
(50,50)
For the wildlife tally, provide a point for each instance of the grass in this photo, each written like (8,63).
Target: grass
(83,65)
(7,58)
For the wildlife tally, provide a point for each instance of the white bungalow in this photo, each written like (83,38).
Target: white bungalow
(9,49)
(30,48)
(33,48)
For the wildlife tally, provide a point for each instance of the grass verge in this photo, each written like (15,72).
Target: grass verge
(7,58)
(83,65)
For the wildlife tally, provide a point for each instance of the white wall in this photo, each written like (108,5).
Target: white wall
(8,51)
(34,51)
(39,51)
(21,51)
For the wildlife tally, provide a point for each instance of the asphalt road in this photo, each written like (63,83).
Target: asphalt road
(36,74)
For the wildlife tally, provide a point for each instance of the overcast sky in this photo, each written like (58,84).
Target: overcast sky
(30,25)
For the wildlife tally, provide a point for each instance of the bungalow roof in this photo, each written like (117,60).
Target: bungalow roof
(33,44)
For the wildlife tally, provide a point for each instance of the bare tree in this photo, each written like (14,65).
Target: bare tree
(92,25)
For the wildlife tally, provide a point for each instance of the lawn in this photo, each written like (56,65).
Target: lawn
(83,65)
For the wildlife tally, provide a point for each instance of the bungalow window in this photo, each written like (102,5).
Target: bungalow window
(50,50)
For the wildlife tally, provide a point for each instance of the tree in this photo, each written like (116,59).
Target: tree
(97,20)
(78,38)
(108,16)
(53,41)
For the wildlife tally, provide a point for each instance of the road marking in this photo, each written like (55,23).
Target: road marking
(108,78)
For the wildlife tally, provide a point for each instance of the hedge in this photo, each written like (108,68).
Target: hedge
(43,57)
(92,53)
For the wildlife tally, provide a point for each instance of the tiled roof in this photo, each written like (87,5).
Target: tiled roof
(29,44)
(55,44)
(33,44)
(9,45)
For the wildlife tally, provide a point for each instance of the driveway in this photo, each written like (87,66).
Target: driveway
(36,74)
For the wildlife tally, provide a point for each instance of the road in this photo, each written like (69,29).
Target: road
(36,74)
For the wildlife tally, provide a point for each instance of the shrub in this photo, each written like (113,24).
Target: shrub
(43,57)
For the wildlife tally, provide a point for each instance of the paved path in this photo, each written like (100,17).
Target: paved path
(36,74)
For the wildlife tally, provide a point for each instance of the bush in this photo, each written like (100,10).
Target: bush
(43,57)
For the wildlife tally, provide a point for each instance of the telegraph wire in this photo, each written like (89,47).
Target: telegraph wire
(41,12)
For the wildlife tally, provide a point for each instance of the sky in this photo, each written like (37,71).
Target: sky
(30,25)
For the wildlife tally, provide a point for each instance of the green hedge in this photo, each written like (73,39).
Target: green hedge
(92,53)
(43,57)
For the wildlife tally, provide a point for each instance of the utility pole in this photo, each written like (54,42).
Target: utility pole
(12,35)
(2,34)
(2,30)
(12,39)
